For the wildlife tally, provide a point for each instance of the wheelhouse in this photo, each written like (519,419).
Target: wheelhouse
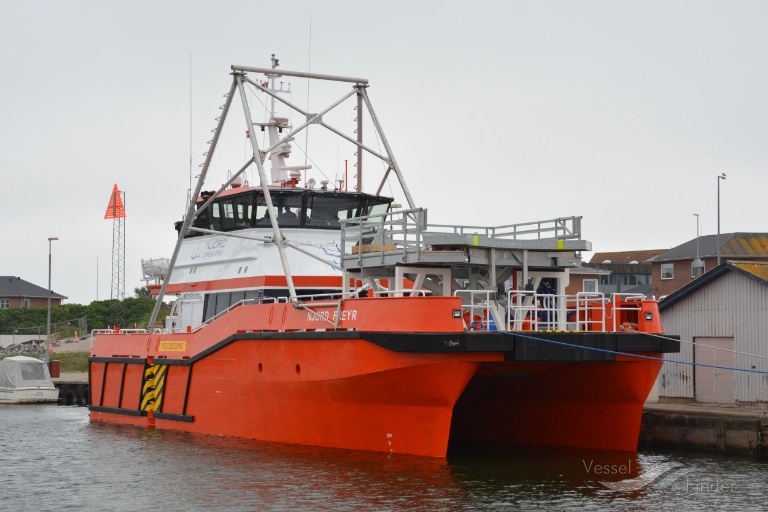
(245,208)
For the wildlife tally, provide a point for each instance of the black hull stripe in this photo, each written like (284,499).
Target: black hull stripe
(517,348)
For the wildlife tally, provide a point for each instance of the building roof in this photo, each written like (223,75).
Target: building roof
(11,286)
(732,245)
(624,257)
(757,270)
(584,269)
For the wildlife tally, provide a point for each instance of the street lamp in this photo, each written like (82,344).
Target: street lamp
(697,264)
(48,330)
(719,177)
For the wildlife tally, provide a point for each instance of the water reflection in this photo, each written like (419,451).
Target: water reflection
(253,474)
(55,459)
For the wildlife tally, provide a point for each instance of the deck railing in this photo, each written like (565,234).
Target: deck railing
(405,232)
(530,311)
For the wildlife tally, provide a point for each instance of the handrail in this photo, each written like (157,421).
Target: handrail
(563,228)
(584,301)
(316,296)
(404,232)
(411,291)
(261,300)
(119,331)
(479,300)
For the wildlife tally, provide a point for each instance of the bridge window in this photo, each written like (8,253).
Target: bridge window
(215,216)
(377,205)
(295,208)
(227,215)
(288,206)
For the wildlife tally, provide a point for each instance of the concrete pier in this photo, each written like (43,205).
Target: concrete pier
(73,388)
(705,428)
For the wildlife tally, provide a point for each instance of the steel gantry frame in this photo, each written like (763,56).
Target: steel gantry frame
(239,79)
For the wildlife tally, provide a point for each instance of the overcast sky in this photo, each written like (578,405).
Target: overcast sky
(498,113)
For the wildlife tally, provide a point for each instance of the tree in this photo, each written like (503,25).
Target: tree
(141,292)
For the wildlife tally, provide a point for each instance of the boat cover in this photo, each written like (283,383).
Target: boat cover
(24,372)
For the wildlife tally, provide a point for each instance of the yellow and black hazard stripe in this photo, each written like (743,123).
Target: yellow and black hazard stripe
(152,389)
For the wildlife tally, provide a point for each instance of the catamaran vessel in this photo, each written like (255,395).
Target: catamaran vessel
(320,314)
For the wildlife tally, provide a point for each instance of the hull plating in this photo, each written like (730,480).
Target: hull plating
(585,405)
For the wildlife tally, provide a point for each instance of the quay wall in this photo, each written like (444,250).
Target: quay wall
(720,431)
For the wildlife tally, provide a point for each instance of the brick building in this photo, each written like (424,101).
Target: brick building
(673,269)
(18,293)
(614,272)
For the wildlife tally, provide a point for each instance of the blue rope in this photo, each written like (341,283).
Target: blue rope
(636,355)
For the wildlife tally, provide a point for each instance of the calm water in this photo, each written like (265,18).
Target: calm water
(53,458)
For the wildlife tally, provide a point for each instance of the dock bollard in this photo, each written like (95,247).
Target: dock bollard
(54,368)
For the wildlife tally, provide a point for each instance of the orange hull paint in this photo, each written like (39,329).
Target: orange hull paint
(395,402)
(584,405)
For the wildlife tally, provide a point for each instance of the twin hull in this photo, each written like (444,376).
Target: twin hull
(277,372)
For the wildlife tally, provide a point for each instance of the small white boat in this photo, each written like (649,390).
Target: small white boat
(26,380)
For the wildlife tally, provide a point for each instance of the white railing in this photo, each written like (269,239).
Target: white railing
(479,304)
(403,292)
(394,232)
(322,296)
(590,311)
(541,311)
(402,232)
(565,228)
(528,310)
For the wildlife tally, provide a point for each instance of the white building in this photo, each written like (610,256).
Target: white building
(722,320)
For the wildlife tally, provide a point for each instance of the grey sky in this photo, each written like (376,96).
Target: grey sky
(498,113)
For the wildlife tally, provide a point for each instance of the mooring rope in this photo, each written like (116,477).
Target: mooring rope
(629,354)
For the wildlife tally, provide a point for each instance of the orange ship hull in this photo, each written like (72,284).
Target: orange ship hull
(401,392)
(585,405)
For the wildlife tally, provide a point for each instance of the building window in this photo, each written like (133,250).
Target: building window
(25,303)
(697,271)
(590,285)
(5,303)
(667,270)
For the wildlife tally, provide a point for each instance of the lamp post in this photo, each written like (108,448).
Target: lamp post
(697,262)
(719,177)
(48,330)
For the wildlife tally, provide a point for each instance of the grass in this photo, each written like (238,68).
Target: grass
(70,361)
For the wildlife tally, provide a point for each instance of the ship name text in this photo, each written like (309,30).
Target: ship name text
(315,316)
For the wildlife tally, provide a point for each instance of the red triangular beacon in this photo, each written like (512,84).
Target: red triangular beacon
(115,208)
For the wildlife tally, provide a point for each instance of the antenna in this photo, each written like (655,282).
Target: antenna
(189,190)
(309,82)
